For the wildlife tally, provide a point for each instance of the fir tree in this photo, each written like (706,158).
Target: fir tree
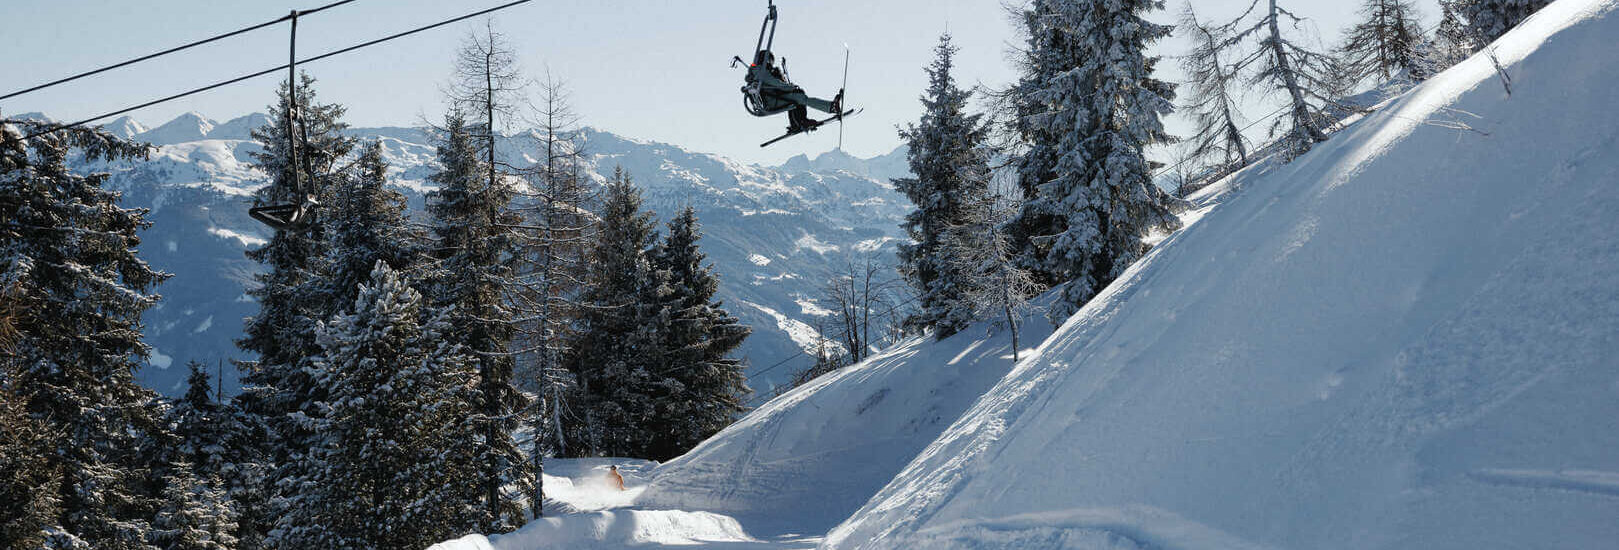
(618,339)
(1386,42)
(27,484)
(68,255)
(1487,20)
(474,244)
(291,294)
(1093,107)
(709,387)
(203,428)
(947,155)
(368,225)
(398,449)
(195,514)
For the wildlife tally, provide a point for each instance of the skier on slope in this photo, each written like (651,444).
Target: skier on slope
(614,479)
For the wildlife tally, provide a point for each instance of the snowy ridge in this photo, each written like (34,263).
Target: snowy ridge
(807,459)
(1343,354)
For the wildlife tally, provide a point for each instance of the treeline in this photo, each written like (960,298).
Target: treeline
(1083,203)
(396,361)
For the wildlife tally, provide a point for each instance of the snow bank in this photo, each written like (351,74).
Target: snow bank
(1404,339)
(804,461)
(584,512)
(609,529)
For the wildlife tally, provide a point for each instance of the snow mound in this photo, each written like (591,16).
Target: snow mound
(584,512)
(610,529)
(806,460)
(1404,339)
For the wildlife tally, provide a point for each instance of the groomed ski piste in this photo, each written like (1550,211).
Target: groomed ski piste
(1405,338)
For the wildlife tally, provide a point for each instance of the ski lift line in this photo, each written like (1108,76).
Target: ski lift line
(281,67)
(175,49)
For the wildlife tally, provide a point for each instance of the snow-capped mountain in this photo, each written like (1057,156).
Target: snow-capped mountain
(774,234)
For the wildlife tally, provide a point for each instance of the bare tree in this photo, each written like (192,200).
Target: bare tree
(1308,77)
(861,295)
(555,238)
(486,83)
(1386,42)
(982,249)
(1211,100)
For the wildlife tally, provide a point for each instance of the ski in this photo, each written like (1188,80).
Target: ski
(846,114)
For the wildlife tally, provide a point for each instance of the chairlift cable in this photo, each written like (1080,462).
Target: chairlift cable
(170,51)
(279,67)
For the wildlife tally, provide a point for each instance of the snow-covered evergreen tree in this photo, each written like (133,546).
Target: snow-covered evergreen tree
(1089,106)
(951,167)
(1385,43)
(617,346)
(27,484)
(709,387)
(68,257)
(398,445)
(291,294)
(1212,103)
(195,515)
(472,225)
(1487,20)
(203,428)
(367,225)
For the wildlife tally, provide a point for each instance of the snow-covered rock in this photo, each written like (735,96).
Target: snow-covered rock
(1403,339)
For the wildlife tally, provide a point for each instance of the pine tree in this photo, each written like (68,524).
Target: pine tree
(1212,103)
(948,157)
(474,243)
(27,485)
(68,254)
(195,514)
(292,295)
(709,387)
(397,452)
(203,428)
(1386,42)
(1093,107)
(1487,20)
(367,225)
(618,341)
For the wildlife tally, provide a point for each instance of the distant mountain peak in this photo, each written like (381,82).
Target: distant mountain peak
(125,127)
(190,126)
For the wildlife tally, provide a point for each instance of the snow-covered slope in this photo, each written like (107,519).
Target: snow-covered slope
(806,460)
(773,233)
(1404,339)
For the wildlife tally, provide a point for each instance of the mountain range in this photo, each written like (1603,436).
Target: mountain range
(775,235)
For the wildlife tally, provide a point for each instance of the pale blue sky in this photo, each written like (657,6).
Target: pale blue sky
(648,69)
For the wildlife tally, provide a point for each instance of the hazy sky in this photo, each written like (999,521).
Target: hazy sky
(648,69)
